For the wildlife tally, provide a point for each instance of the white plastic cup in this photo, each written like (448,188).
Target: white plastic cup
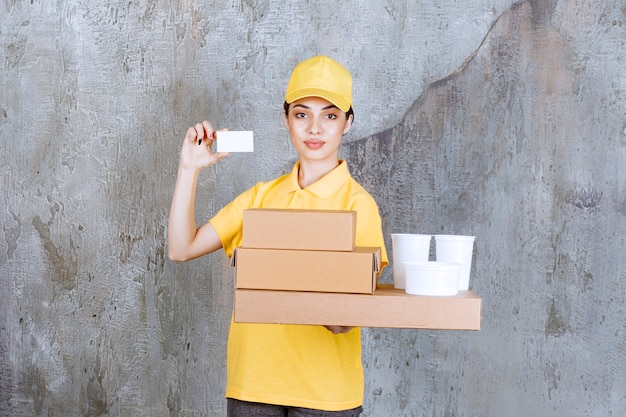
(432,278)
(458,249)
(407,247)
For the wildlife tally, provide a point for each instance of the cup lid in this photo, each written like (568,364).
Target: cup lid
(454,237)
(410,236)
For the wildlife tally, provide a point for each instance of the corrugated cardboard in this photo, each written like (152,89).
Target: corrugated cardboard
(387,307)
(302,270)
(299,229)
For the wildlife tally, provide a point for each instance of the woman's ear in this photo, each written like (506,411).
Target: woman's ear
(348,124)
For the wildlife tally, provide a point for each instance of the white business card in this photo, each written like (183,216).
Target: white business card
(235,141)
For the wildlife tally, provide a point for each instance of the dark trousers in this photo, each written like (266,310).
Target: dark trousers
(236,408)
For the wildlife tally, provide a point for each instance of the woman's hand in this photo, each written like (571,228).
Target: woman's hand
(196,150)
(339,329)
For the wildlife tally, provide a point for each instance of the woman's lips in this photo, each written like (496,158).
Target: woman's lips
(314,144)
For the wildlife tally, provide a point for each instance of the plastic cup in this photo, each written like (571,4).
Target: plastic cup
(457,249)
(432,278)
(407,247)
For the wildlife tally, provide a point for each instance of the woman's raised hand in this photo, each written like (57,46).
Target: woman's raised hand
(196,151)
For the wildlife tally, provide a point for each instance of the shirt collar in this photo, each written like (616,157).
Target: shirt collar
(325,186)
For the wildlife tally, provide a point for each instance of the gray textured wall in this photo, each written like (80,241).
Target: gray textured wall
(507,121)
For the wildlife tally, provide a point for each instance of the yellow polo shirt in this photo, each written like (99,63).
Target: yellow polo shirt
(293,365)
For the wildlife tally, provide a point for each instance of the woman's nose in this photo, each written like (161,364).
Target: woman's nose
(315,126)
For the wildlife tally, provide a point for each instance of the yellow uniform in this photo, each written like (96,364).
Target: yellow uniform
(292,365)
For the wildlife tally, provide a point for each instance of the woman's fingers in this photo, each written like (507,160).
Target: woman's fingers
(191,135)
(204,132)
(201,156)
(208,130)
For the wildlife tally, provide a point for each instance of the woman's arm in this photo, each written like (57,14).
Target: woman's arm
(185,240)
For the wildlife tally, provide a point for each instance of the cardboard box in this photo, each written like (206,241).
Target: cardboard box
(303,270)
(299,229)
(387,307)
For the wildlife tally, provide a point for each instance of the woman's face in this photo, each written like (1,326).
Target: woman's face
(316,127)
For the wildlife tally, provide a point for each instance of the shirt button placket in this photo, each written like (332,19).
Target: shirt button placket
(297,201)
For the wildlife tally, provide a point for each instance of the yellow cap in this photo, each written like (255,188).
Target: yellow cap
(323,77)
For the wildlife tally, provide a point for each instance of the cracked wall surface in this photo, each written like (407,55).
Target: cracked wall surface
(499,119)
(521,148)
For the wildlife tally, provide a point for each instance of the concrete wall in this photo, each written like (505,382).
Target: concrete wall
(506,121)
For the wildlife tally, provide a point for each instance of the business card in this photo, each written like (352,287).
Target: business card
(235,141)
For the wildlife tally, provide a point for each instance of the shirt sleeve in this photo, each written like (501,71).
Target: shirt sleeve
(228,222)
(369,226)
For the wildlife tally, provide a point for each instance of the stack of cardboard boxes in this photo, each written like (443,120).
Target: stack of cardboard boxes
(302,267)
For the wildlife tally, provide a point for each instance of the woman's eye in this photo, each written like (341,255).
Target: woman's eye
(300,115)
